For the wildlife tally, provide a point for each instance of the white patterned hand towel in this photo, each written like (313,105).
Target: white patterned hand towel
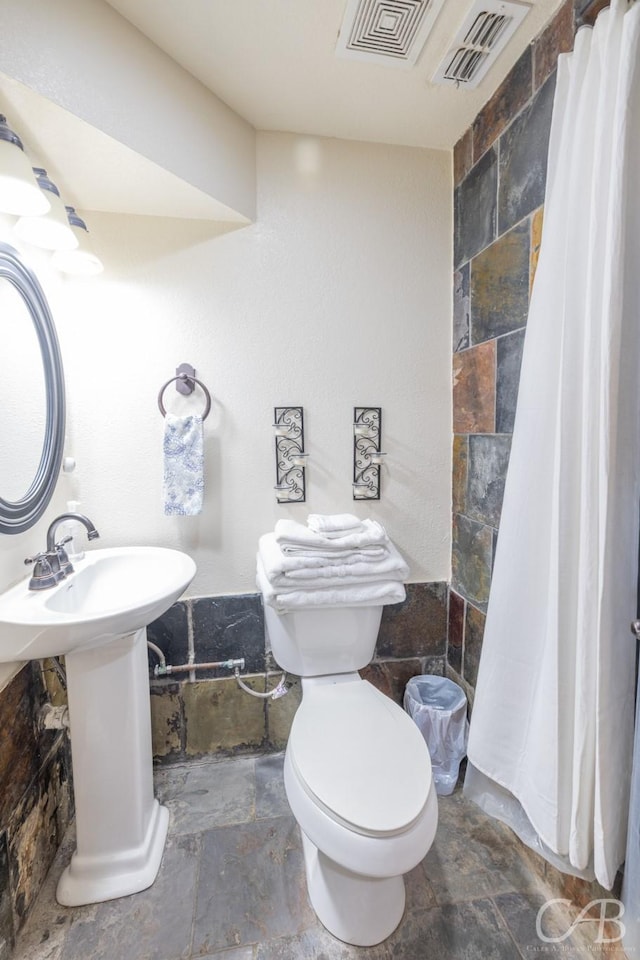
(183,449)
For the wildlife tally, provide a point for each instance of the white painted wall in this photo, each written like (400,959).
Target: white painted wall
(339,295)
(85,57)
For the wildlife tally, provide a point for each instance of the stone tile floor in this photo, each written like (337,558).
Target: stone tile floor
(231,886)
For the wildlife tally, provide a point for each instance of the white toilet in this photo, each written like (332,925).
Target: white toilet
(357,773)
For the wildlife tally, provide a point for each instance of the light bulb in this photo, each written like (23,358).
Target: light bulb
(82,261)
(52,230)
(20,194)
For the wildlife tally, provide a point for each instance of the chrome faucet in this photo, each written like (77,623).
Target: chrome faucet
(53,565)
(92,533)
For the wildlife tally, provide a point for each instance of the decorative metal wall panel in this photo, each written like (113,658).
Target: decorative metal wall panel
(367,456)
(288,425)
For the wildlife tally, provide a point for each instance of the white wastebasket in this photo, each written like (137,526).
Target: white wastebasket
(439,708)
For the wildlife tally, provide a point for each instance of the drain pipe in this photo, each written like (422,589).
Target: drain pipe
(54,718)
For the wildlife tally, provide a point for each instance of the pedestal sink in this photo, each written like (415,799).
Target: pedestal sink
(97,620)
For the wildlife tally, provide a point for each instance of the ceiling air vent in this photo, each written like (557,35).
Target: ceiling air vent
(386,31)
(484,33)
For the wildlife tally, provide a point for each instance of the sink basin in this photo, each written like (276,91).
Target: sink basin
(113,592)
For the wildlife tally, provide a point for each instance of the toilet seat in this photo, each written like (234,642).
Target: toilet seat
(360,758)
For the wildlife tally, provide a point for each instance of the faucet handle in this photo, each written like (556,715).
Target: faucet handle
(46,570)
(43,556)
(63,559)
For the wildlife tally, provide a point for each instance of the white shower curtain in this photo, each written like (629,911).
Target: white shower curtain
(552,727)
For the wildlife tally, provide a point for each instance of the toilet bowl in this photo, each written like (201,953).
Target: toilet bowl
(358,779)
(357,774)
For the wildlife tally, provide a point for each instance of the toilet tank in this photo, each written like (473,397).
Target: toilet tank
(322,641)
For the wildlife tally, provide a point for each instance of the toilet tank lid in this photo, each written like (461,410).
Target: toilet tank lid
(361,756)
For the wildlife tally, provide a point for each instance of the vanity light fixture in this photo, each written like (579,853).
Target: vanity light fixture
(20,194)
(82,261)
(52,230)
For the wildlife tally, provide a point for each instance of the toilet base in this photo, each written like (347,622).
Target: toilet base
(362,911)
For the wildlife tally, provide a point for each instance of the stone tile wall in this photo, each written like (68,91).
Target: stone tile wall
(500,177)
(212,715)
(500,173)
(36,799)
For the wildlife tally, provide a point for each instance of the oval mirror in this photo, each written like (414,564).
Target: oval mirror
(32,398)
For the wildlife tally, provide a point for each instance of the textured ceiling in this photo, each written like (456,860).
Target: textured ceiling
(274,63)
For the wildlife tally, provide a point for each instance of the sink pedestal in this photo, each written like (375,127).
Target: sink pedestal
(121,827)
(96,618)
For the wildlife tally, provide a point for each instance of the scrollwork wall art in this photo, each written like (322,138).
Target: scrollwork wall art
(367,455)
(288,425)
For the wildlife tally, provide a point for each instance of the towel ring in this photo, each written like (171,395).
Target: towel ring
(184,377)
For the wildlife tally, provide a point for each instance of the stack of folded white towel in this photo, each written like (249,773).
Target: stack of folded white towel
(332,561)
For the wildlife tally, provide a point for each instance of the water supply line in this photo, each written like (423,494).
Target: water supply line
(164,669)
(160,655)
(274,694)
(57,668)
